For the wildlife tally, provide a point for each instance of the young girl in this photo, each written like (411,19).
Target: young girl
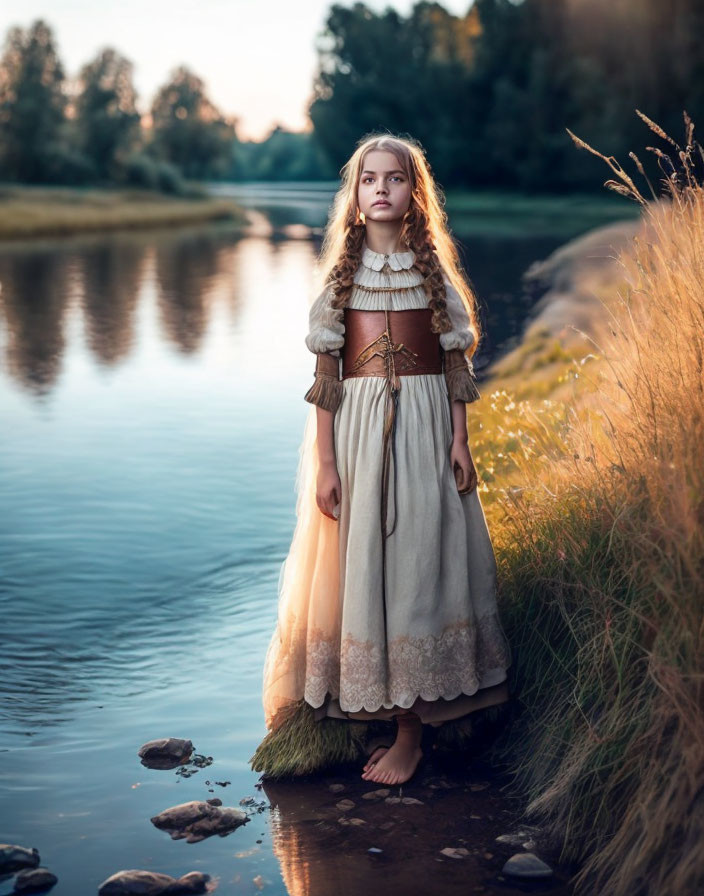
(387,605)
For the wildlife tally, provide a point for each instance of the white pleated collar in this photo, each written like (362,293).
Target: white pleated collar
(397,261)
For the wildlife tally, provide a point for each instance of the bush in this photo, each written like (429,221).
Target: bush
(142,170)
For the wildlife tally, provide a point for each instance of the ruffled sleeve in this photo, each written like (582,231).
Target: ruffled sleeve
(326,329)
(325,339)
(459,370)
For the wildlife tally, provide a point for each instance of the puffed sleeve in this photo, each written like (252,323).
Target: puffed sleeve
(325,339)
(326,329)
(461,335)
(459,370)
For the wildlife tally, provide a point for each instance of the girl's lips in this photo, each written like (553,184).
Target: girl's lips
(381,202)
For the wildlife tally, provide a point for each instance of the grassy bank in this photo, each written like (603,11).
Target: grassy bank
(61,211)
(596,499)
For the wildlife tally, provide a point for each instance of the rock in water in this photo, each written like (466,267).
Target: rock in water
(32,879)
(197,820)
(15,858)
(152,883)
(526,864)
(165,752)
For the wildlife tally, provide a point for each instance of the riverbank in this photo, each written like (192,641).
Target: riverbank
(575,284)
(28,211)
(588,448)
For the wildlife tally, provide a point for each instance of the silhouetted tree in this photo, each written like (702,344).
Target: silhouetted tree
(32,104)
(106,121)
(188,130)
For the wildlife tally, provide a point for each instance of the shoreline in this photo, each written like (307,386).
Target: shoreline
(574,283)
(29,212)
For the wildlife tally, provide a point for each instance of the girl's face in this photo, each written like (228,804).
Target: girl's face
(383,191)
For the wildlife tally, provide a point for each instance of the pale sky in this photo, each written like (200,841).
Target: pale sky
(257,58)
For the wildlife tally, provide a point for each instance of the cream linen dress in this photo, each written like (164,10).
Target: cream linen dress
(444,644)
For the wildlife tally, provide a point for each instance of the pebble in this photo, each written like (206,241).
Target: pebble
(526,864)
(165,752)
(32,879)
(198,819)
(376,794)
(336,788)
(455,852)
(374,850)
(345,805)
(511,839)
(15,858)
(152,883)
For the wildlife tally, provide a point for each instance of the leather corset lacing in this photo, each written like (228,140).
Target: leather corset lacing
(370,350)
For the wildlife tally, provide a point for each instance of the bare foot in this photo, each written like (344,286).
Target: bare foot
(400,761)
(377,754)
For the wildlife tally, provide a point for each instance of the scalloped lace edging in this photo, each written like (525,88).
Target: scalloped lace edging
(438,666)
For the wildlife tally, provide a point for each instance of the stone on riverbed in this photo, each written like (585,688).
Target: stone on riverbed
(32,879)
(165,752)
(526,864)
(152,883)
(15,858)
(197,820)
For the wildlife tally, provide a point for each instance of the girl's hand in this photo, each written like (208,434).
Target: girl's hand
(328,489)
(462,464)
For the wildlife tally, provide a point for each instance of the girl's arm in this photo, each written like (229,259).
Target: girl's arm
(459,422)
(325,339)
(460,457)
(328,487)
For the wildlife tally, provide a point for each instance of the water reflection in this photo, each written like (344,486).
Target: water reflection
(108,278)
(324,828)
(36,289)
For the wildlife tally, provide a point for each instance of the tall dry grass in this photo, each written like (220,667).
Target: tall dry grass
(601,555)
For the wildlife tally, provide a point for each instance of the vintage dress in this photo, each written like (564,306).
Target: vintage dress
(444,643)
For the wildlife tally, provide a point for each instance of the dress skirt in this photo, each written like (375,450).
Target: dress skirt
(431,639)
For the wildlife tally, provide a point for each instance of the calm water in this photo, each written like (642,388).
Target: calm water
(147,468)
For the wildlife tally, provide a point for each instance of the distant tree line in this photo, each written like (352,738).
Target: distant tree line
(489,94)
(90,132)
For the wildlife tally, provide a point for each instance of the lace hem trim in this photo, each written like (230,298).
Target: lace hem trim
(453,662)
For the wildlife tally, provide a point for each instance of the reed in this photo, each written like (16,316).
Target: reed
(600,543)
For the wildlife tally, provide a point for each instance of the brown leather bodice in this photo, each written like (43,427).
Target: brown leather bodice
(410,344)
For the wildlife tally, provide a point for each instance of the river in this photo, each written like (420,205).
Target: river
(151,391)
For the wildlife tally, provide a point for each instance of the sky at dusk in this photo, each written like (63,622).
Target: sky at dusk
(257,57)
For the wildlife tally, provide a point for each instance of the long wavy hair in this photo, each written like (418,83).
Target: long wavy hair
(425,231)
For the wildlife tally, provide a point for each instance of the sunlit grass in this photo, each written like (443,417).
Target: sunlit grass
(597,511)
